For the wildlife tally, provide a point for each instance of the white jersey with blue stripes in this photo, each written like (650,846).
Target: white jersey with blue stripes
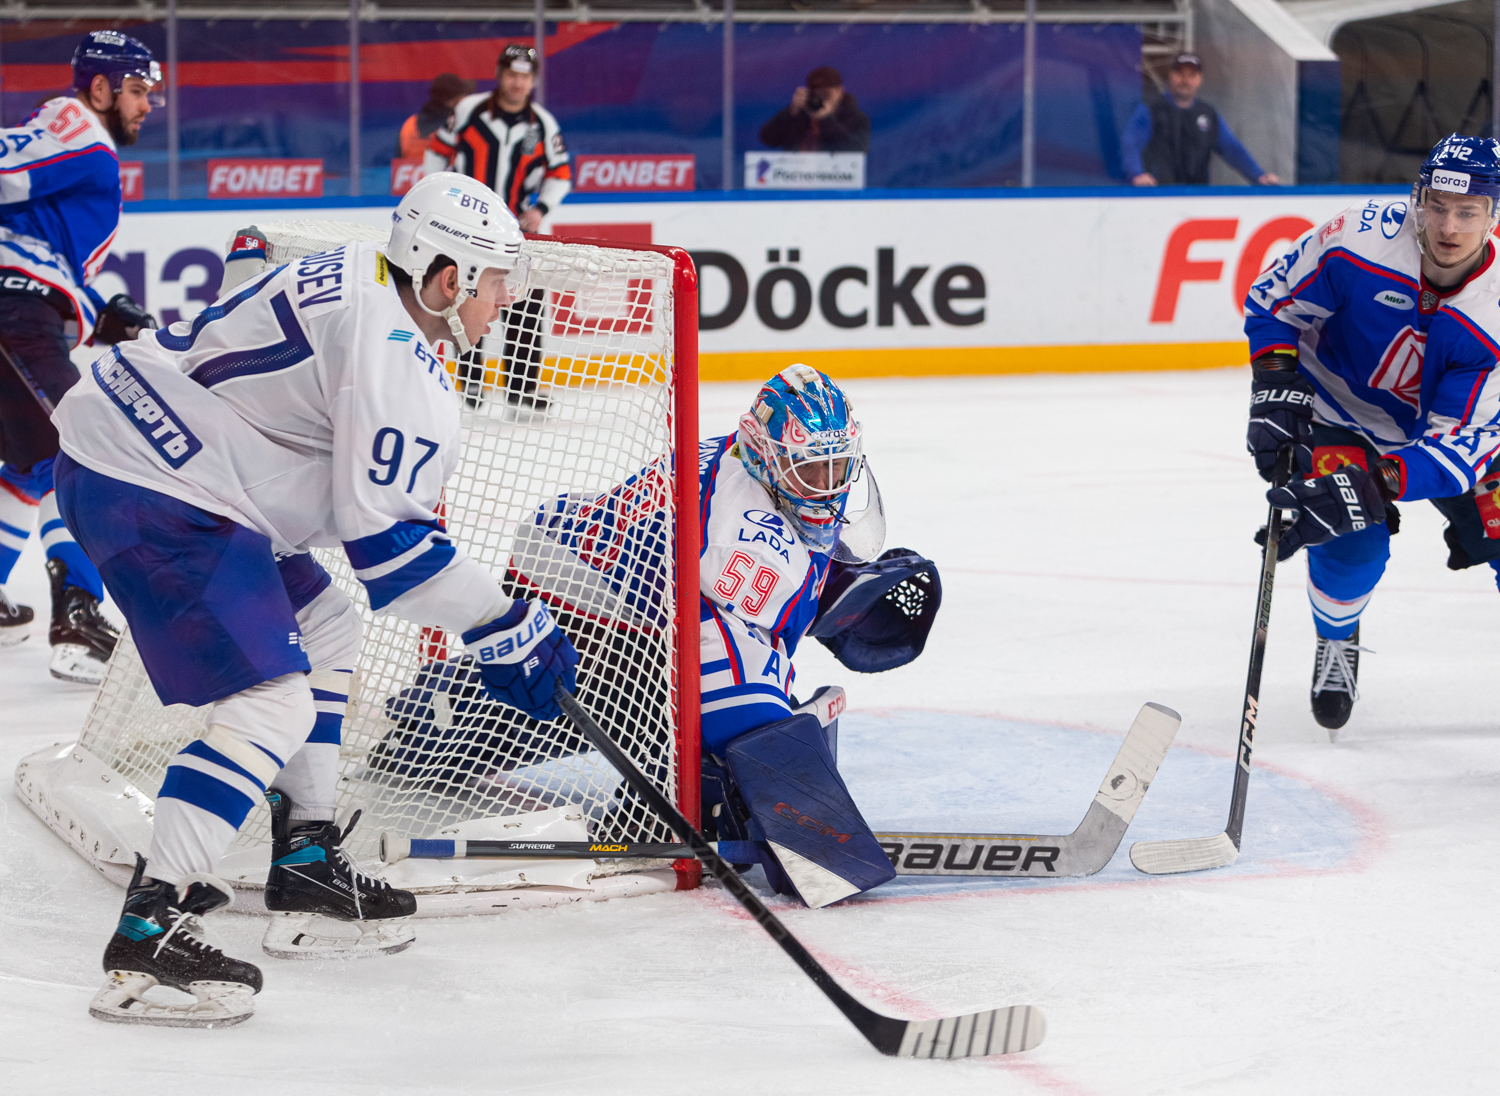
(306,406)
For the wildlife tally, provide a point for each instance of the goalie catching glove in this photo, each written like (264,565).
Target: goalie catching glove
(521,656)
(876,616)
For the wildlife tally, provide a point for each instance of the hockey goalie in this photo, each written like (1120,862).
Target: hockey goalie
(784,556)
(200,464)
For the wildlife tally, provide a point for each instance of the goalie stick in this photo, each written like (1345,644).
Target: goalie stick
(1082,852)
(1000,855)
(996,1031)
(1222,849)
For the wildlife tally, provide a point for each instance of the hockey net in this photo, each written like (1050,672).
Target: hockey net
(583,493)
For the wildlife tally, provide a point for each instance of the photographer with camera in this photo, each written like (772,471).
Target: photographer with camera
(823,117)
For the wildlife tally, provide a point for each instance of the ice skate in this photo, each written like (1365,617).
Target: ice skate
(82,639)
(159,942)
(15,621)
(322,906)
(1335,685)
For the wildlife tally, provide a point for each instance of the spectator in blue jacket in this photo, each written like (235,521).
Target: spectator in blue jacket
(1169,140)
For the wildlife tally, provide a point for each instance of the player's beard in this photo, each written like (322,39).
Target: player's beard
(116,126)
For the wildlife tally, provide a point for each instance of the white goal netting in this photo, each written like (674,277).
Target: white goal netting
(567,487)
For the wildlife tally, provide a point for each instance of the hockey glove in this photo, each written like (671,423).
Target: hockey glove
(521,656)
(1281,409)
(121,321)
(1330,506)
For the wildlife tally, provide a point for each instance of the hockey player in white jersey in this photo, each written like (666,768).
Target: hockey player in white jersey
(1374,344)
(306,408)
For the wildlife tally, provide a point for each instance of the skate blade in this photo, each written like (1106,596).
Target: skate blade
(73,662)
(217,1004)
(310,936)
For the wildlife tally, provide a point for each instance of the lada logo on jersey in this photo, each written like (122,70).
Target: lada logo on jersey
(1392,219)
(1400,368)
(770,531)
(772,523)
(1394,299)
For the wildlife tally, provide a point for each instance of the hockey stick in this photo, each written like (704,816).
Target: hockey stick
(1082,852)
(28,380)
(394,849)
(997,1031)
(999,855)
(1222,849)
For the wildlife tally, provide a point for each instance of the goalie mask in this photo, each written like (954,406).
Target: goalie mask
(1454,202)
(801,443)
(451,216)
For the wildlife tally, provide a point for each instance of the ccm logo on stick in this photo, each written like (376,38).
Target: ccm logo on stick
(926,857)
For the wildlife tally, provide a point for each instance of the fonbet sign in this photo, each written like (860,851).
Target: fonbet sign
(887,286)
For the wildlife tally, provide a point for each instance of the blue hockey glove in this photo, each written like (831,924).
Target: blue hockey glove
(1281,409)
(1330,506)
(520,656)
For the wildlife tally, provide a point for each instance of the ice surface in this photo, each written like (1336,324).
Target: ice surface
(1094,538)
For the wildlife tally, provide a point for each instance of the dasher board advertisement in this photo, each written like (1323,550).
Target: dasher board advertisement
(883,286)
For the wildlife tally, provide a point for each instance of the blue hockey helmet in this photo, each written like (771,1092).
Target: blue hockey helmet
(115,56)
(799,441)
(1458,166)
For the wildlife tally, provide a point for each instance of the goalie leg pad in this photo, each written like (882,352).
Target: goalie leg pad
(802,813)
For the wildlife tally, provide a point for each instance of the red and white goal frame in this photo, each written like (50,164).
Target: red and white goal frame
(553,503)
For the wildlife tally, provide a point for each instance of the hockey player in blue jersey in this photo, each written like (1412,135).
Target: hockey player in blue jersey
(1374,344)
(59,210)
(783,557)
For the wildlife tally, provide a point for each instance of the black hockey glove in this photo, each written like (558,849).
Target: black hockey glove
(121,321)
(1330,506)
(1281,408)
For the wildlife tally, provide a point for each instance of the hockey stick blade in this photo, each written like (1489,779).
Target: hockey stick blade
(1222,849)
(1082,852)
(998,1031)
(1186,854)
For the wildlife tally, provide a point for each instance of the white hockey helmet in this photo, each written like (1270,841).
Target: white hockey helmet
(452,216)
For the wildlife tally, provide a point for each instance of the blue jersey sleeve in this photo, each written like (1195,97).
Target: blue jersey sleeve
(1297,290)
(1461,392)
(1133,141)
(1235,154)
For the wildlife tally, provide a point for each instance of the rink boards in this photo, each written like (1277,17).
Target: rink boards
(885,283)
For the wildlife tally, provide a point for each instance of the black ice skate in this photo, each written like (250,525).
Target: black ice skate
(322,906)
(159,942)
(82,639)
(15,621)
(1335,685)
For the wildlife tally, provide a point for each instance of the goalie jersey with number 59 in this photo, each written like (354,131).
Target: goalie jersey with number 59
(307,407)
